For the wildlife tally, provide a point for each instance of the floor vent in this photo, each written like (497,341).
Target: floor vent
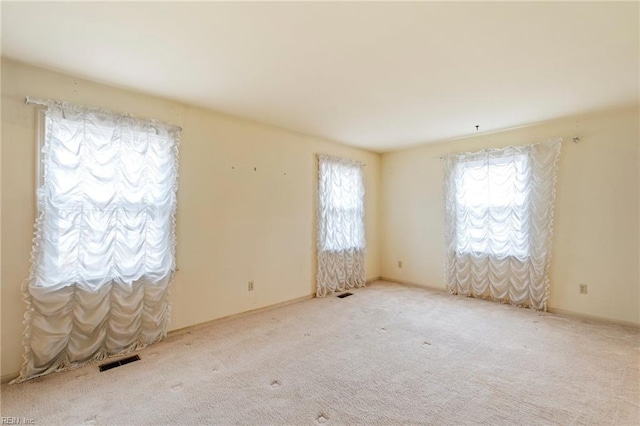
(343,295)
(118,363)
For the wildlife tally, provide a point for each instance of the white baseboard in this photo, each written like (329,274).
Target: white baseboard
(557,311)
(579,315)
(6,378)
(182,330)
(415,285)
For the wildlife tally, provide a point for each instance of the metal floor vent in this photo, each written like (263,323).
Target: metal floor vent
(118,363)
(343,295)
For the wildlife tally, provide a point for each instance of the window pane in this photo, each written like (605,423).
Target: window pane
(491,198)
(107,197)
(342,206)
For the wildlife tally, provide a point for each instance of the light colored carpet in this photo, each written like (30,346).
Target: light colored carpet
(389,354)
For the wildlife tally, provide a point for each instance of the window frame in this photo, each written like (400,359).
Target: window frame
(490,206)
(332,208)
(41,134)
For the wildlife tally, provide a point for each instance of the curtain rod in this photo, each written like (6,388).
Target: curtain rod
(32,101)
(575,140)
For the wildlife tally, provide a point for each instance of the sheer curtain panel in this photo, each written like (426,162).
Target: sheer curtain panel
(103,253)
(498,222)
(341,239)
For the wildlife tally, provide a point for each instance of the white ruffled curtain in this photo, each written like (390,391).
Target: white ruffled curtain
(103,254)
(498,223)
(341,238)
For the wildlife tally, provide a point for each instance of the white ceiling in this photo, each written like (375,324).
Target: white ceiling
(374,75)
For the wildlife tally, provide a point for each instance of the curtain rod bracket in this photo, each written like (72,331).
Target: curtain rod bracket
(29,100)
(576,139)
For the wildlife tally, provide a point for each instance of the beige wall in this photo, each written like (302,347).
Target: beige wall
(596,217)
(234,224)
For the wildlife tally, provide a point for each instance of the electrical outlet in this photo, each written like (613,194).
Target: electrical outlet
(250,285)
(399,263)
(583,289)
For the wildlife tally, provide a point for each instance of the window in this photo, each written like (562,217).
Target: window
(498,222)
(491,202)
(106,199)
(341,239)
(341,205)
(103,252)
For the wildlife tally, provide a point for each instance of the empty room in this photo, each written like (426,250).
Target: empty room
(302,213)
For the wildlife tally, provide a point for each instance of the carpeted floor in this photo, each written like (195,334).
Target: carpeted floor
(389,354)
